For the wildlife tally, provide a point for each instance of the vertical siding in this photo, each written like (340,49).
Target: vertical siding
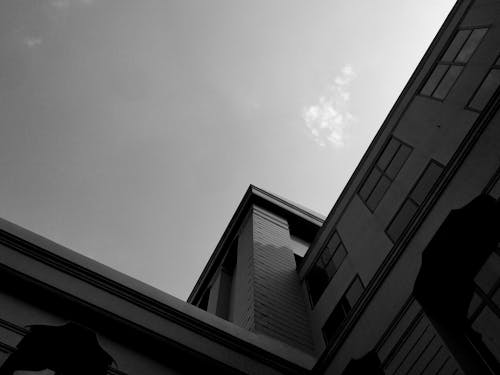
(242,301)
(412,346)
(280,309)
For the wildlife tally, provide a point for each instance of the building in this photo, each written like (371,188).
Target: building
(402,277)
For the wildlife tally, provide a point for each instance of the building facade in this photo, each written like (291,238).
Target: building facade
(401,277)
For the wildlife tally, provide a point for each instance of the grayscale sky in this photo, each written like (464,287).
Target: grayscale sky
(131,129)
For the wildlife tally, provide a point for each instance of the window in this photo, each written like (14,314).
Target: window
(486,89)
(325,266)
(446,72)
(383,173)
(484,311)
(414,200)
(346,303)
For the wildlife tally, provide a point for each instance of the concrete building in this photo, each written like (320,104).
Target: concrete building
(402,277)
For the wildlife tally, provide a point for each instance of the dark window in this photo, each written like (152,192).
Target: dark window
(325,267)
(456,56)
(385,170)
(414,200)
(487,89)
(484,311)
(346,303)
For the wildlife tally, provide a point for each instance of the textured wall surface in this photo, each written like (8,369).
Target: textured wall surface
(279,302)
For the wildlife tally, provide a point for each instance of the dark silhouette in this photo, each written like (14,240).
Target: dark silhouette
(454,256)
(368,364)
(70,349)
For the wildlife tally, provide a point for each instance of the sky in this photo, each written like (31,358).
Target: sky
(130,130)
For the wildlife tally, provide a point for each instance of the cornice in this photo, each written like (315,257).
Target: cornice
(147,303)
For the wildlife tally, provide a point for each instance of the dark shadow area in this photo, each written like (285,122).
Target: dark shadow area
(135,338)
(446,283)
(66,349)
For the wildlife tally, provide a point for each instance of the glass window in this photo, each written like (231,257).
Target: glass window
(327,264)
(426,182)
(388,154)
(488,87)
(489,274)
(434,80)
(354,292)
(401,220)
(334,241)
(385,170)
(456,45)
(422,188)
(398,161)
(339,256)
(474,304)
(470,46)
(370,183)
(335,320)
(342,310)
(448,69)
(378,193)
(325,256)
(487,324)
(447,82)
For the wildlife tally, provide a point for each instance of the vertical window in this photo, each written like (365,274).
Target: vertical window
(383,173)
(486,89)
(339,314)
(448,69)
(484,311)
(414,200)
(325,267)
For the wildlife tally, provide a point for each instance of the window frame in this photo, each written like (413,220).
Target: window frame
(440,62)
(409,198)
(342,300)
(494,66)
(317,259)
(374,166)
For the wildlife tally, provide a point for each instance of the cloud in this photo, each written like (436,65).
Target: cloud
(32,41)
(328,119)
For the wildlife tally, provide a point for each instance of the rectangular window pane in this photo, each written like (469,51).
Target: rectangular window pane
(388,153)
(336,261)
(334,241)
(316,281)
(401,220)
(334,321)
(486,90)
(398,161)
(470,46)
(489,274)
(339,255)
(378,193)
(455,45)
(488,325)
(474,304)
(426,182)
(354,292)
(434,79)
(447,82)
(369,184)
(325,257)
